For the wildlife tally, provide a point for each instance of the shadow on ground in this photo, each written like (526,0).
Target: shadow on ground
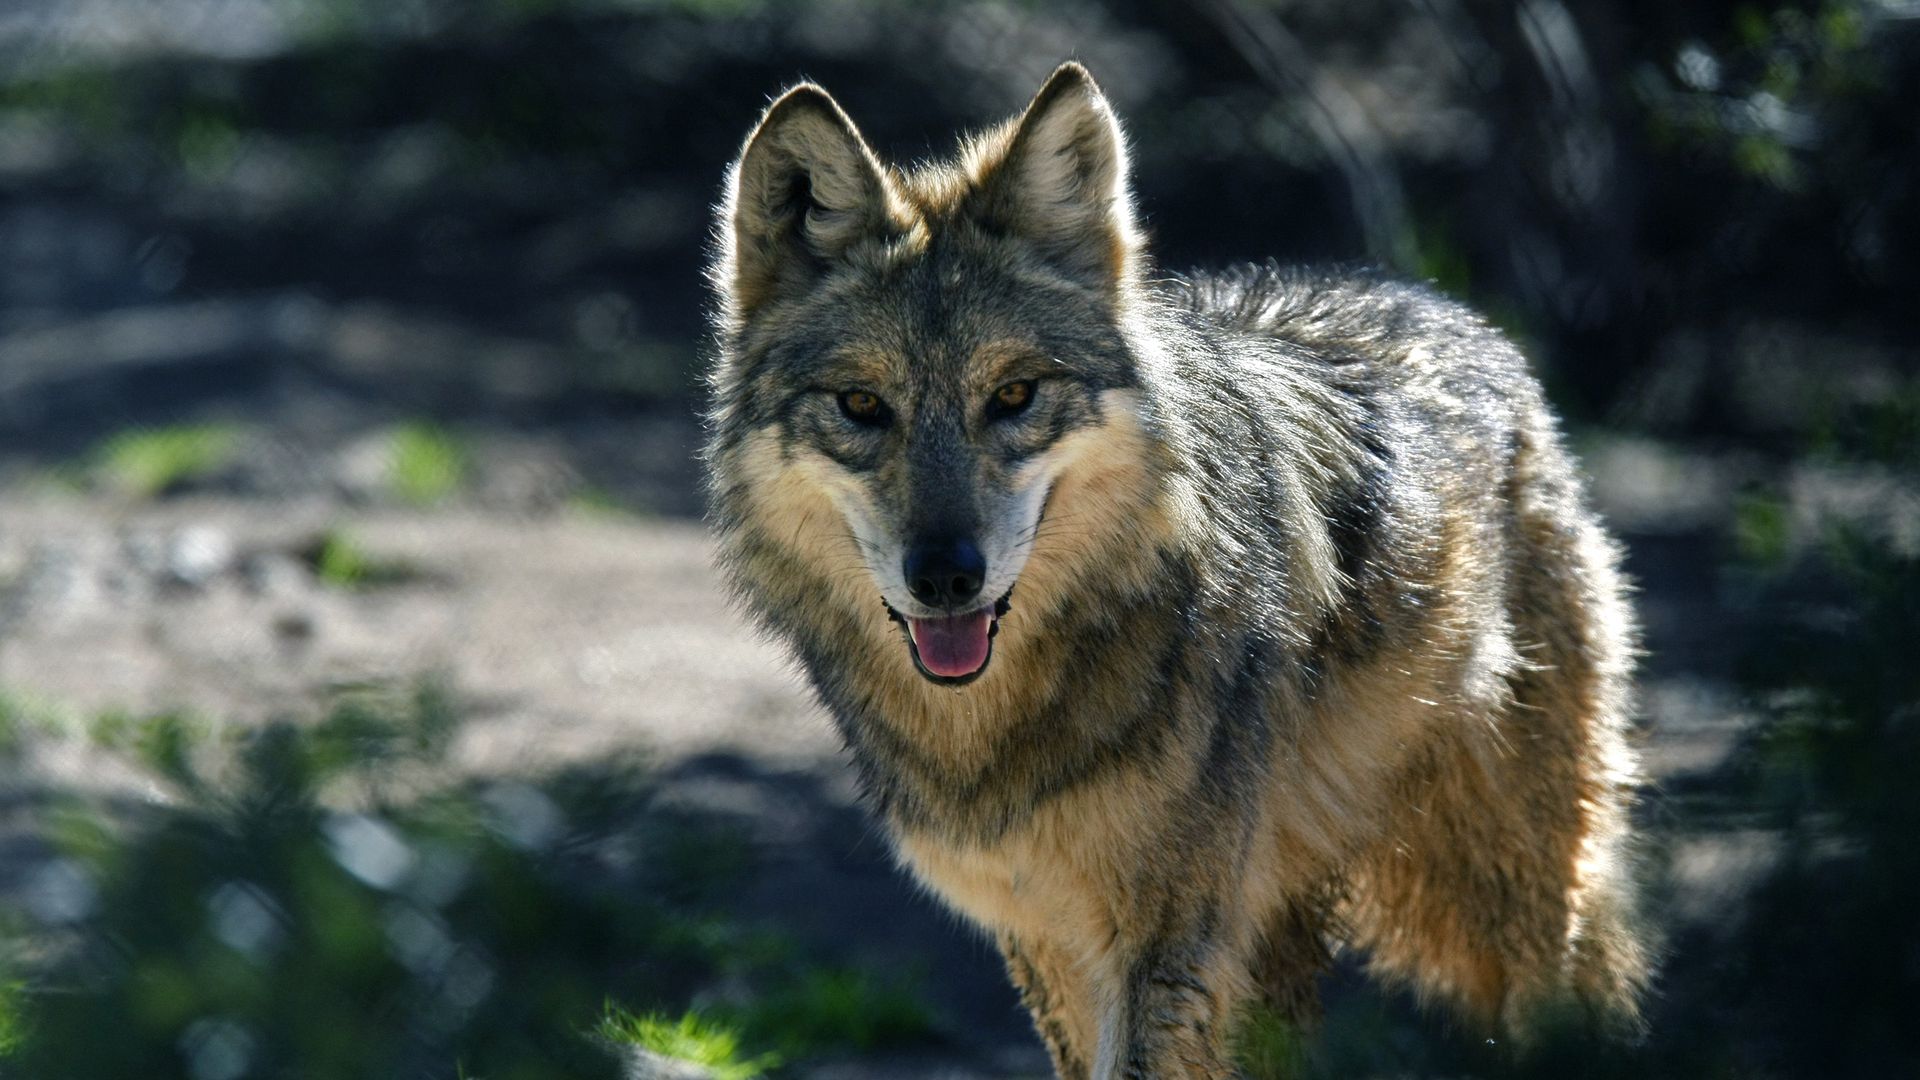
(321,896)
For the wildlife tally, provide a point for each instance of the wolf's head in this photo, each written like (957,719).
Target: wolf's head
(930,353)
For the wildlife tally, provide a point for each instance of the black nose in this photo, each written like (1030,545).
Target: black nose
(945,573)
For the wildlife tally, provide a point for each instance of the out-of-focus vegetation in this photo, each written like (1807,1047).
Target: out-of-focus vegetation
(692,1039)
(343,562)
(1827,954)
(427,464)
(838,1006)
(153,461)
(315,898)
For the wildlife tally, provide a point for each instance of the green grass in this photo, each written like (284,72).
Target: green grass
(164,742)
(733,949)
(692,1038)
(426,465)
(153,461)
(593,502)
(1440,257)
(343,562)
(13,1018)
(1762,529)
(23,717)
(826,1008)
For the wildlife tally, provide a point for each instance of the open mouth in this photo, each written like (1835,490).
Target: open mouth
(953,650)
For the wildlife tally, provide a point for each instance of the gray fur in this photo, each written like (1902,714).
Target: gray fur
(1312,623)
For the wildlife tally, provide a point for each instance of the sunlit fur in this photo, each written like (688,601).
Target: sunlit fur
(1313,644)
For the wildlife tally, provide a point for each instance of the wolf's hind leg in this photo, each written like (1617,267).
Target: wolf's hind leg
(1504,880)
(1055,997)
(1505,885)
(1469,899)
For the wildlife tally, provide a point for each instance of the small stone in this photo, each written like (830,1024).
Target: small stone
(293,627)
(197,554)
(146,552)
(361,469)
(275,573)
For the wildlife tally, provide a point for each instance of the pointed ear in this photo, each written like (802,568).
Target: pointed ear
(805,190)
(1061,181)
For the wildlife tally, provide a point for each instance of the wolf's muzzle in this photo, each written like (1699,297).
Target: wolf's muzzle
(953,650)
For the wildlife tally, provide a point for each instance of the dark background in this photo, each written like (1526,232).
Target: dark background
(242,243)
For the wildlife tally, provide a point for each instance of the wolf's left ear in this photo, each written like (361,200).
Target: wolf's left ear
(1061,181)
(804,193)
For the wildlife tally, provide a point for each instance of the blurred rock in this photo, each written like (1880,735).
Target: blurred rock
(361,468)
(197,554)
(274,573)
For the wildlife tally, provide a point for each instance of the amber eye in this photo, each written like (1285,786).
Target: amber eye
(863,407)
(1011,398)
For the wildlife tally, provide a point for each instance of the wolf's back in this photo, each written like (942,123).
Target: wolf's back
(1464,545)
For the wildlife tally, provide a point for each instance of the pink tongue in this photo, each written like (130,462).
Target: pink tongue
(953,646)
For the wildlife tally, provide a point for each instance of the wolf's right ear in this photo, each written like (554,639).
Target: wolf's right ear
(1057,178)
(805,190)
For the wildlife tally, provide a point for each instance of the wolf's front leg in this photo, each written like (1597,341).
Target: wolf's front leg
(1174,1012)
(1056,995)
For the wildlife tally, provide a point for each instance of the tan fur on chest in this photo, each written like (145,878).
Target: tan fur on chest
(1069,874)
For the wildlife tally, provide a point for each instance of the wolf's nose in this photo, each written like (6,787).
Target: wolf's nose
(945,573)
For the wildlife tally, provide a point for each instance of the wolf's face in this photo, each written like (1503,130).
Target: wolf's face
(927,348)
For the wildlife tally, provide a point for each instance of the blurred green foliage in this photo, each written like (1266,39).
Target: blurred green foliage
(12,1016)
(23,718)
(155,461)
(426,464)
(340,560)
(692,1038)
(1762,534)
(250,927)
(1765,97)
(1883,432)
(832,1007)
(594,502)
(1826,963)
(164,743)
(319,899)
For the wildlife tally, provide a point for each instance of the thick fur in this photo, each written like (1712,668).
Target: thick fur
(1315,643)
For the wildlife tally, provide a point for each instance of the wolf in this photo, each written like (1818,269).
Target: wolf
(1184,631)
